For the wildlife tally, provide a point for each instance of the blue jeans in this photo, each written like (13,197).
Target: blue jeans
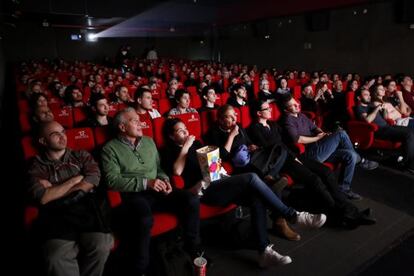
(336,147)
(248,189)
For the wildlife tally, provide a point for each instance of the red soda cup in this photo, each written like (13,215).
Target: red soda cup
(200,266)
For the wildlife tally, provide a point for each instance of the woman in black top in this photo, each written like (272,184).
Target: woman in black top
(180,158)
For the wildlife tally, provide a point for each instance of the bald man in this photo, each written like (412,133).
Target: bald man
(71,226)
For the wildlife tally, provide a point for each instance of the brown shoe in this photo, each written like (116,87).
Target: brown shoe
(282,228)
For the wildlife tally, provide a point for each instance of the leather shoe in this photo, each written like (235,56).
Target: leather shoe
(281,227)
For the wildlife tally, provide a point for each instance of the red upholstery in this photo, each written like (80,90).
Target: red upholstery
(101,135)
(157,124)
(206,211)
(64,116)
(196,101)
(224,97)
(113,109)
(29,149)
(164,105)
(24,122)
(146,125)
(23,106)
(163,222)
(275,111)
(80,139)
(245,116)
(79,114)
(297,92)
(31,213)
(192,122)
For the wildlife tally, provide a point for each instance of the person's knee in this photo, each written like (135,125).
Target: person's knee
(101,245)
(252,177)
(351,157)
(54,255)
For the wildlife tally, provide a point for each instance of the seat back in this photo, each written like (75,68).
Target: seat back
(192,122)
(64,116)
(81,139)
(101,135)
(245,116)
(146,125)
(29,148)
(350,103)
(157,125)
(79,114)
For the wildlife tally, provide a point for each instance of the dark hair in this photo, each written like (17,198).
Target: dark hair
(179,93)
(222,110)
(68,93)
(205,90)
(168,128)
(283,100)
(236,87)
(95,98)
(140,92)
(257,106)
(33,99)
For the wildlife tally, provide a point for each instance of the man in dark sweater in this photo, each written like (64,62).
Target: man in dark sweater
(322,146)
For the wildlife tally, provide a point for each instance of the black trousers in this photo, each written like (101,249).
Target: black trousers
(139,208)
(400,134)
(323,182)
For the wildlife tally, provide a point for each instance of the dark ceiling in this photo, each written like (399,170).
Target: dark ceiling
(160,17)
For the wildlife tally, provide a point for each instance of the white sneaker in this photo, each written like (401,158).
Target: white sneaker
(271,257)
(306,219)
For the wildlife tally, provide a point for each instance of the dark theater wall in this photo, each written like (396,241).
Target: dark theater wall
(367,43)
(28,41)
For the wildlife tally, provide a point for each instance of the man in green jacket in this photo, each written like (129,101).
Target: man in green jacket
(131,165)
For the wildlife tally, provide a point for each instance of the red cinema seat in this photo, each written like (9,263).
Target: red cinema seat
(297,92)
(113,109)
(192,122)
(80,139)
(101,135)
(275,111)
(206,211)
(245,116)
(163,222)
(29,147)
(64,116)
(24,122)
(23,106)
(146,125)
(157,125)
(195,101)
(79,115)
(224,98)
(164,105)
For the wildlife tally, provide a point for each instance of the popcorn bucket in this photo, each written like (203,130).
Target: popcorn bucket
(208,158)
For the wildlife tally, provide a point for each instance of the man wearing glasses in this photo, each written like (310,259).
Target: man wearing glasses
(131,165)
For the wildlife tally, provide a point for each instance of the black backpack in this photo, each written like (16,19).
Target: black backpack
(170,259)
